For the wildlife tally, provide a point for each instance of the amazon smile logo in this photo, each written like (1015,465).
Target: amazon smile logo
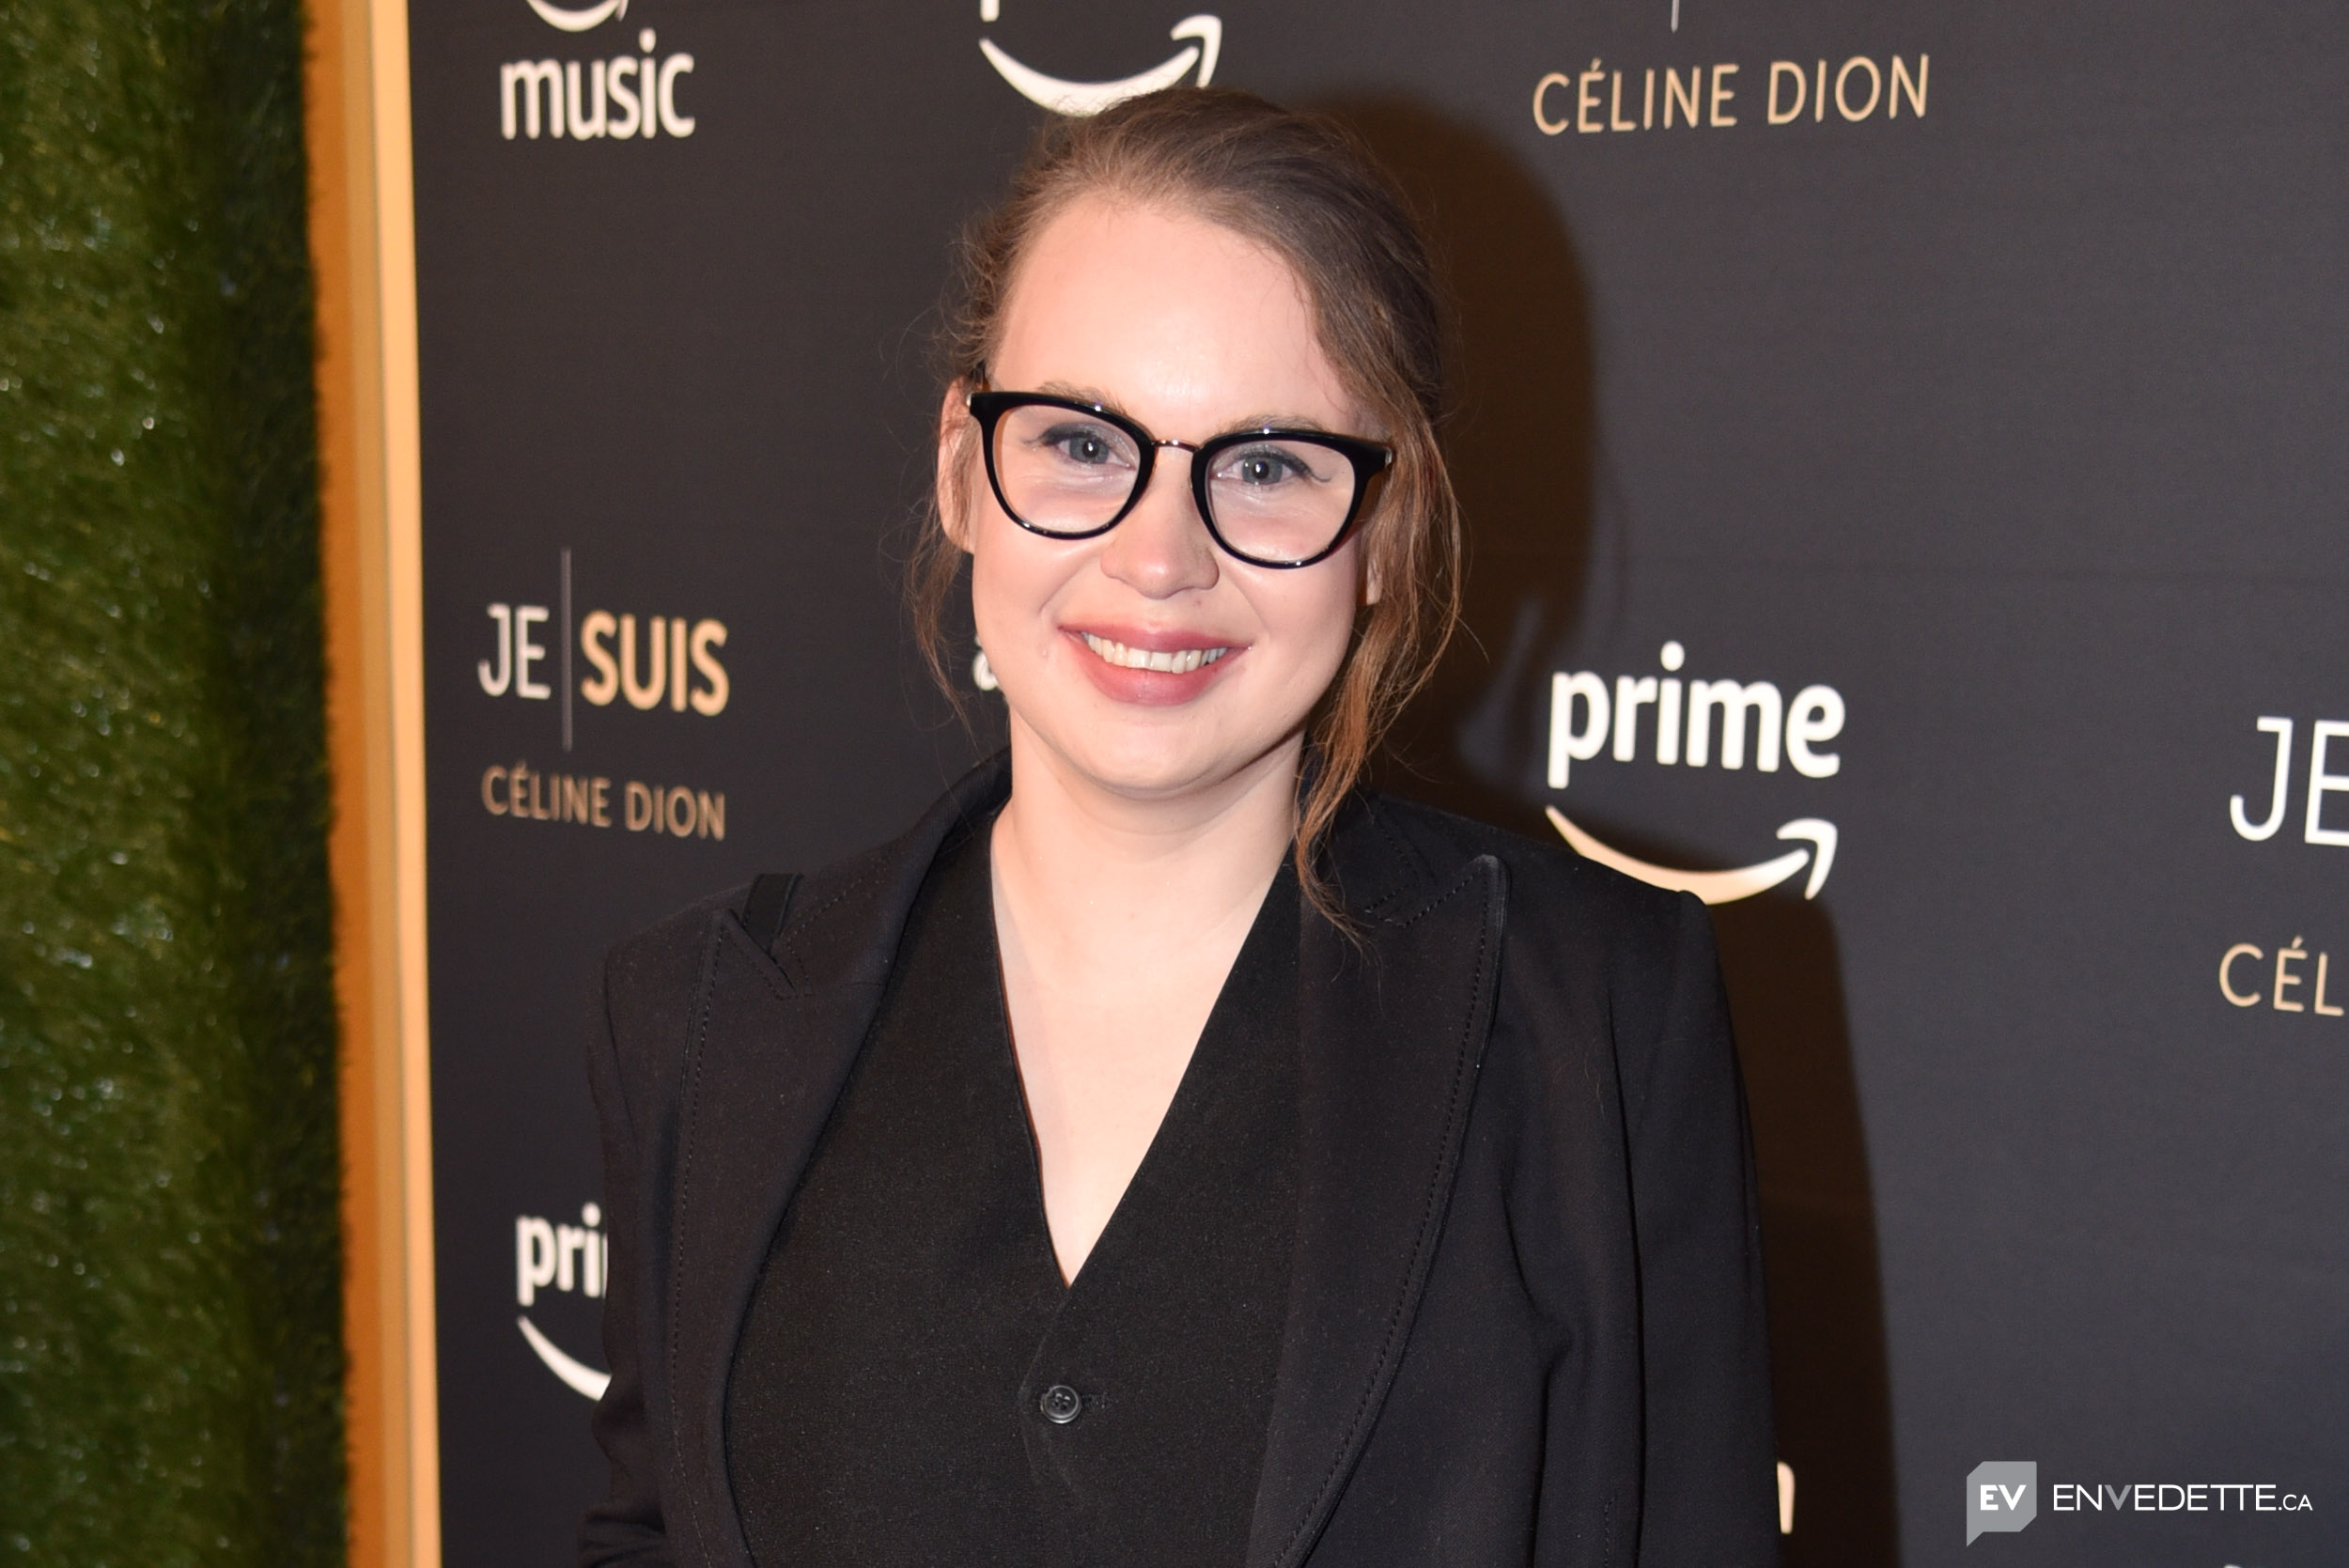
(1590,718)
(1205,34)
(581,20)
(1718,887)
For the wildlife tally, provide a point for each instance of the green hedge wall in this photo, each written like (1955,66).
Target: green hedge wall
(170,1349)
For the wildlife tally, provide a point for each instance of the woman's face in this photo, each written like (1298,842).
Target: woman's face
(1192,330)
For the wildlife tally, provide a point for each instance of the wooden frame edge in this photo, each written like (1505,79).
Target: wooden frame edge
(363,245)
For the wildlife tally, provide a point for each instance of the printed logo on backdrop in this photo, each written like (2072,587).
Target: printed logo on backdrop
(667,667)
(564,1258)
(2296,978)
(1727,95)
(627,97)
(1592,719)
(1091,97)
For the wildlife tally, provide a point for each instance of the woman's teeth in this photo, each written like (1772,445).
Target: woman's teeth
(1178,663)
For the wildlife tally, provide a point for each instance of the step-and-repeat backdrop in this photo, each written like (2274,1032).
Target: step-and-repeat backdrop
(1905,452)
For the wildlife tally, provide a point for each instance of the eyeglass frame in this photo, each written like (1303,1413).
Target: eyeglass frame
(1370,460)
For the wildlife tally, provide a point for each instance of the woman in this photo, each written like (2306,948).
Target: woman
(1169,1153)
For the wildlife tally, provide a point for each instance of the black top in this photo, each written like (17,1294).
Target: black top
(1525,1321)
(915,1384)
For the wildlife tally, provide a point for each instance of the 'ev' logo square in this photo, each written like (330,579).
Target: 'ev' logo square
(2001,1494)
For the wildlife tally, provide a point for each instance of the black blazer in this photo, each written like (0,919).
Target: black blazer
(1525,1316)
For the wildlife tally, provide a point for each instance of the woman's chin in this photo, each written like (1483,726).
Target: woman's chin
(1143,762)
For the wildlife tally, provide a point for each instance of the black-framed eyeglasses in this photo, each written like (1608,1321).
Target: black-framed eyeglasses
(1272,497)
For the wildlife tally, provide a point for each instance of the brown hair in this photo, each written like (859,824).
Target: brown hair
(1307,190)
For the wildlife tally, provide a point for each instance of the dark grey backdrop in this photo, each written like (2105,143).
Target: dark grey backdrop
(2018,423)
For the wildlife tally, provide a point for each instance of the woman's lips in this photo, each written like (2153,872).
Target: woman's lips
(1153,670)
(1174,661)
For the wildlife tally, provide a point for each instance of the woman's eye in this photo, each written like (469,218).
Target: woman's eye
(1264,466)
(1082,445)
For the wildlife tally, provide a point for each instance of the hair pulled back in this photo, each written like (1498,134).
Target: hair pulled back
(1309,191)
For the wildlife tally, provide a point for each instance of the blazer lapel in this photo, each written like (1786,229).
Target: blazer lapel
(1390,1037)
(774,1035)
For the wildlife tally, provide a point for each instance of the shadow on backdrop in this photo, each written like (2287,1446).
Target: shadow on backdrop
(1785,974)
(1522,454)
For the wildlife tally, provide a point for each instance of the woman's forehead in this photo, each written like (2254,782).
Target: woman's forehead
(1156,306)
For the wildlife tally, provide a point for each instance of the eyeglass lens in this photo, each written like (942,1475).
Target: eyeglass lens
(1063,472)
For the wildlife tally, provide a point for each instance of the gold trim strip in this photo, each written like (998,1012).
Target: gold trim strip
(363,237)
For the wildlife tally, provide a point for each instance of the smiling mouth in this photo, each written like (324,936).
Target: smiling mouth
(1175,661)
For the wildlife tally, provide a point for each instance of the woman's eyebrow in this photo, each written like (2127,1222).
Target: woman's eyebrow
(1081,393)
(1260,421)
(1278,422)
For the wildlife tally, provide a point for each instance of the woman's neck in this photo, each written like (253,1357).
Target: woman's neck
(1117,920)
(1085,868)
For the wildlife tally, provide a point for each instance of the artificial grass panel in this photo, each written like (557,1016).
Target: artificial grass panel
(170,1354)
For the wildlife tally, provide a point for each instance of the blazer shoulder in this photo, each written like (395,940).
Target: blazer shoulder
(665,958)
(1589,955)
(656,971)
(1547,881)
(646,999)
(839,924)
(652,980)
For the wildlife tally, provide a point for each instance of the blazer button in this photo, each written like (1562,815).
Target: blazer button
(1060,1405)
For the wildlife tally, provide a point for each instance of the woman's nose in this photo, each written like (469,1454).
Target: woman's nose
(1162,548)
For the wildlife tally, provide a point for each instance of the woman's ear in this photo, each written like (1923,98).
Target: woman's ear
(954,427)
(1370,577)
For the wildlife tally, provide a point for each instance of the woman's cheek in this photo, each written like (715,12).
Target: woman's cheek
(1010,602)
(1324,624)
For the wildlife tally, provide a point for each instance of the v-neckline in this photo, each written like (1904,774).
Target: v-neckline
(1187,1088)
